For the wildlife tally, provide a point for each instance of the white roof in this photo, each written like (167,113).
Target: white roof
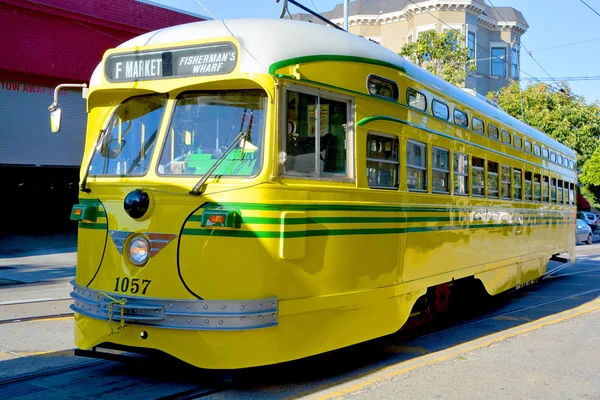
(264,42)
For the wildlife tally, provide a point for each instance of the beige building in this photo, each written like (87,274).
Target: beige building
(491,34)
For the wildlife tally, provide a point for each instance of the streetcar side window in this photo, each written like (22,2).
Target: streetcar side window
(545,189)
(528,146)
(518,184)
(310,154)
(493,131)
(528,188)
(572,193)
(416,166)
(383,166)
(460,118)
(553,190)
(559,191)
(416,99)
(552,156)
(536,150)
(566,193)
(478,179)
(492,173)
(382,87)
(505,136)
(559,160)
(461,174)
(518,142)
(505,179)
(440,170)
(545,153)
(478,126)
(440,110)
(537,187)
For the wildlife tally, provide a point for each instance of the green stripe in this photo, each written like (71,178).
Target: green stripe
(87,225)
(331,57)
(347,232)
(343,207)
(359,220)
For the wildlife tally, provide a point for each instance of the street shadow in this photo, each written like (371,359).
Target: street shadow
(483,316)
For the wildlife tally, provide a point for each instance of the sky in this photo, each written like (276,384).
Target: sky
(551,24)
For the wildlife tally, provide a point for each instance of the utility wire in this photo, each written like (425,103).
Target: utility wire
(528,52)
(596,12)
(380,14)
(474,42)
(565,45)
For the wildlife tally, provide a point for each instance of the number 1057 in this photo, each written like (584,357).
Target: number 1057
(133,285)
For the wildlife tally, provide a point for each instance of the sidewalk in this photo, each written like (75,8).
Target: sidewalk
(46,243)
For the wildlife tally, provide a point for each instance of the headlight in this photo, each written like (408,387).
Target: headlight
(139,250)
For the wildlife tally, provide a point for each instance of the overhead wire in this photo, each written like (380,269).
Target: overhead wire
(590,7)
(474,42)
(525,48)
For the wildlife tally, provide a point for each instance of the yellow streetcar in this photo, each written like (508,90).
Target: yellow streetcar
(257,191)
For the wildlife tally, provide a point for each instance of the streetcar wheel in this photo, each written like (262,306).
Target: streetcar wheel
(589,241)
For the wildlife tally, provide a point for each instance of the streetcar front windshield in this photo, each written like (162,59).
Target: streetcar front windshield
(125,148)
(205,124)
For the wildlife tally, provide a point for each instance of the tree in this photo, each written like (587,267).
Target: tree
(559,114)
(441,54)
(590,172)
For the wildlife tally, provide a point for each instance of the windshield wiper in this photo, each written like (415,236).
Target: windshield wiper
(198,189)
(100,141)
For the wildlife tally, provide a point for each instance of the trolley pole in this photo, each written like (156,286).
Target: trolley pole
(346,15)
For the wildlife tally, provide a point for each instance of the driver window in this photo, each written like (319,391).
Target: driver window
(205,124)
(316,138)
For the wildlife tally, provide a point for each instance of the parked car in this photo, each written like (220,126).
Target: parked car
(583,232)
(591,219)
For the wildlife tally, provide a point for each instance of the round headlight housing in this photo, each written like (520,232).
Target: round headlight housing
(139,250)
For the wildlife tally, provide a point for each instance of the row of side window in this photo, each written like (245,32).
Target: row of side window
(503,181)
(439,109)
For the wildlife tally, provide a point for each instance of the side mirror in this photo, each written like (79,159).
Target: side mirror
(55,117)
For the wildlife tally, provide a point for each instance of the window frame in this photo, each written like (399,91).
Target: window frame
(456,110)
(433,112)
(458,173)
(545,153)
(385,161)
(410,91)
(350,175)
(503,182)
(483,168)
(425,168)
(517,184)
(395,89)
(497,136)
(482,133)
(490,175)
(519,139)
(506,134)
(494,46)
(437,169)
(525,143)
(537,151)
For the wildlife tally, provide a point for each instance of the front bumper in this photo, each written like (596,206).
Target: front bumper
(228,315)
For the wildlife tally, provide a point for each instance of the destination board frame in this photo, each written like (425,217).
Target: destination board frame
(174,62)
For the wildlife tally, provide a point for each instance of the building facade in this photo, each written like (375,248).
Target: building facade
(492,34)
(46,43)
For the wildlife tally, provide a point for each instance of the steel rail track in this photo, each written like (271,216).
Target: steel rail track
(508,312)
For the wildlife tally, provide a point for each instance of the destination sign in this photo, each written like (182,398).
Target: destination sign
(211,59)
